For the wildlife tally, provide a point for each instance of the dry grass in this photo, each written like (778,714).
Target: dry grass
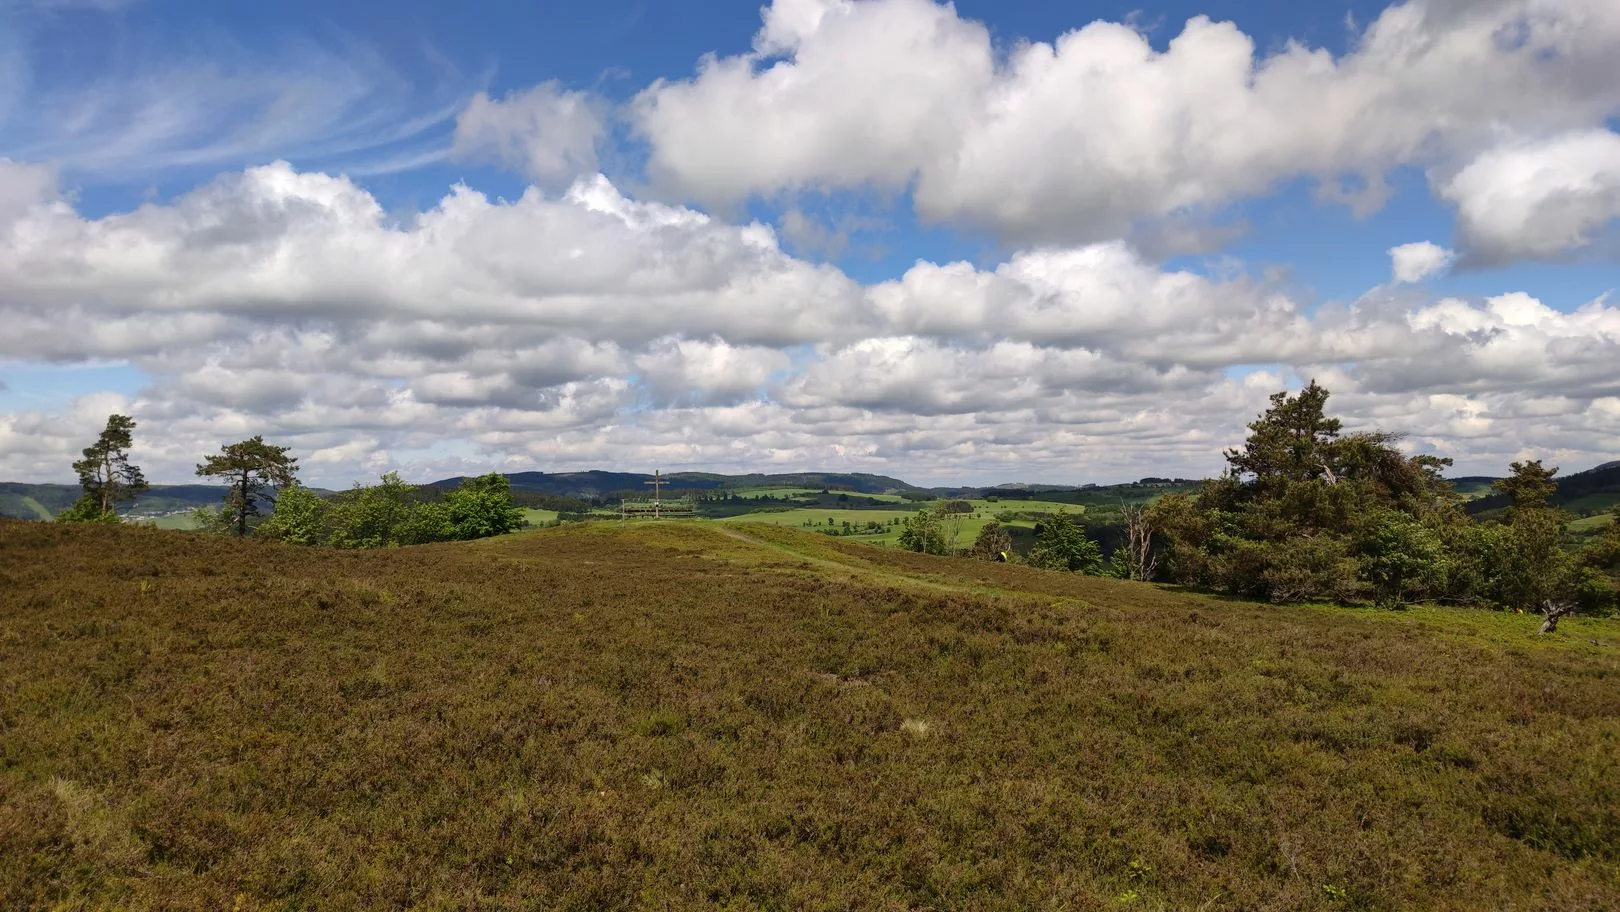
(665,716)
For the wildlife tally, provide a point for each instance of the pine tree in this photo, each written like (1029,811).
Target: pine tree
(252,468)
(106,474)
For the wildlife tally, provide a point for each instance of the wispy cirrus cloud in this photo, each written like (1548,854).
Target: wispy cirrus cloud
(151,107)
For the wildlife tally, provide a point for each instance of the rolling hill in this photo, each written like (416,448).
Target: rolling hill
(686,715)
(600,484)
(43,501)
(1587,493)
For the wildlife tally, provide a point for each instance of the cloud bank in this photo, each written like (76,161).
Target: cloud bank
(591,328)
(637,321)
(1082,138)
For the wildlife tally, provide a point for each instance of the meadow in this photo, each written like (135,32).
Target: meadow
(537,517)
(728,715)
(788,492)
(816,519)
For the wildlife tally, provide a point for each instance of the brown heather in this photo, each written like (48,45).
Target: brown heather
(671,717)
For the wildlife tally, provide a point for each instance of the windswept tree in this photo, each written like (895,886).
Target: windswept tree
(1290,442)
(106,474)
(1530,486)
(253,469)
(1535,572)
(1305,511)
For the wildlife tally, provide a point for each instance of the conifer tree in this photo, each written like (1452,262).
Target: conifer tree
(106,474)
(252,468)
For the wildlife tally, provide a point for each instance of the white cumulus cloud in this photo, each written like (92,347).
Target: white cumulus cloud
(1081,138)
(594,329)
(546,132)
(1537,200)
(1418,261)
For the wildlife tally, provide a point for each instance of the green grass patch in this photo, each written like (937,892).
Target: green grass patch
(675,715)
(1594,503)
(1589,524)
(1027,506)
(38,508)
(538,517)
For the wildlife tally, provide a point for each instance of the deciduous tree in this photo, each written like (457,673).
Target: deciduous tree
(482,507)
(993,543)
(1062,544)
(300,517)
(1139,560)
(923,531)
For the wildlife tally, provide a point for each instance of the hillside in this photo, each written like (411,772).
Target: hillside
(43,501)
(1585,493)
(600,484)
(676,716)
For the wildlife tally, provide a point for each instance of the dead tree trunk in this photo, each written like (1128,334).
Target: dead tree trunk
(1140,560)
(1553,611)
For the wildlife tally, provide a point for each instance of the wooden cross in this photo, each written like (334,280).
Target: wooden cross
(657,481)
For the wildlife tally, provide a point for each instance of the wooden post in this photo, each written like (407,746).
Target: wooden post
(657,481)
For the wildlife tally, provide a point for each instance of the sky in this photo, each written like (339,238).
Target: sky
(987,242)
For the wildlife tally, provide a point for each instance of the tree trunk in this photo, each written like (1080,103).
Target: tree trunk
(106,480)
(1140,561)
(241,507)
(1554,611)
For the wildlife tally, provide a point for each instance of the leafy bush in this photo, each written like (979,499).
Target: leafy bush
(300,518)
(87,509)
(924,532)
(1061,544)
(993,543)
(394,513)
(480,508)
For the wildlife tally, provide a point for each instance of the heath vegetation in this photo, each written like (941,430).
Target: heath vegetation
(674,716)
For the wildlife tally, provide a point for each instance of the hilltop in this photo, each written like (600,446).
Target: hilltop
(696,715)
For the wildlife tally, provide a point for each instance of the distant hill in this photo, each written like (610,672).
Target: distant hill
(599,484)
(43,501)
(1583,493)
(1471,487)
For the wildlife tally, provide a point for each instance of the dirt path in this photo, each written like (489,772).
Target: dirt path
(854,570)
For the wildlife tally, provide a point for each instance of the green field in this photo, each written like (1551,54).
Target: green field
(1594,503)
(784,493)
(536,517)
(817,520)
(1026,506)
(1589,524)
(798,517)
(38,508)
(701,715)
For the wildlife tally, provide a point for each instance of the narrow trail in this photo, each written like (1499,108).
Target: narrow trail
(857,572)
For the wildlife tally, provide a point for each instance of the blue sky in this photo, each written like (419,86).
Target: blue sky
(1076,157)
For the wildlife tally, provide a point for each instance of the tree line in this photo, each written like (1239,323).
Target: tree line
(260,475)
(1306,512)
